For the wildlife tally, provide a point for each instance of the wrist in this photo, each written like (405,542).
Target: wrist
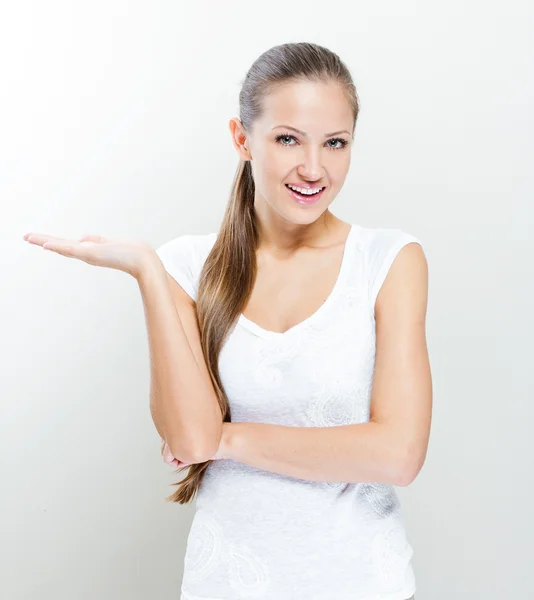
(150,267)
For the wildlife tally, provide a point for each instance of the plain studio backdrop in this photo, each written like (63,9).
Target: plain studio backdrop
(114,121)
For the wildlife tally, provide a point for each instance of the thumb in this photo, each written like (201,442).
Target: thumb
(167,454)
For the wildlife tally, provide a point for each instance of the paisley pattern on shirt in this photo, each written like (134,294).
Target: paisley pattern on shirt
(209,549)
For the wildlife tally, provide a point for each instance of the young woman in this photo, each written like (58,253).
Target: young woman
(290,373)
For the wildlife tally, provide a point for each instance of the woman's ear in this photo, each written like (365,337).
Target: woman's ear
(239,138)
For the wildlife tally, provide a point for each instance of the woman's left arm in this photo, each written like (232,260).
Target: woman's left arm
(391,447)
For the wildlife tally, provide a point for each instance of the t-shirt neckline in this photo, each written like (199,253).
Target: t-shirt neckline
(345,261)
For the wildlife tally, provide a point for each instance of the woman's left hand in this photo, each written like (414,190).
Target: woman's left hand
(125,255)
(169,458)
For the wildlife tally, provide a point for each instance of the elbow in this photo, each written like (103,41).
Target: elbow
(405,476)
(202,454)
(408,468)
(198,451)
(191,455)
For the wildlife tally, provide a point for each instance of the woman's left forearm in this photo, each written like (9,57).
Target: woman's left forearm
(363,452)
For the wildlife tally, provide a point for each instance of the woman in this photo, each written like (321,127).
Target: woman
(290,374)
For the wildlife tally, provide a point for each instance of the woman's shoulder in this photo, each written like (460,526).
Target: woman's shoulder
(377,241)
(183,257)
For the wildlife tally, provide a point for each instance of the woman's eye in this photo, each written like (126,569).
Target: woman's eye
(284,137)
(281,139)
(341,142)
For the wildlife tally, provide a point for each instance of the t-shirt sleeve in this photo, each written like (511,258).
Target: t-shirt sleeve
(177,258)
(384,245)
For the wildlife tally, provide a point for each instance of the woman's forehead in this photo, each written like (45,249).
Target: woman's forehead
(312,107)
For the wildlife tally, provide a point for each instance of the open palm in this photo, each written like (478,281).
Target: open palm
(122,254)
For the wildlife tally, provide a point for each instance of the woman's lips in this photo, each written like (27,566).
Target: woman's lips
(301,199)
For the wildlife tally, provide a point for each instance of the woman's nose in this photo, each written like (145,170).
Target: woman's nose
(311,167)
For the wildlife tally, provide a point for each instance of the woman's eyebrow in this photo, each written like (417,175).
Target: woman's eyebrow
(305,134)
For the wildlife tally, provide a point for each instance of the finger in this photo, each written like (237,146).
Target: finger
(70,249)
(166,452)
(42,238)
(168,457)
(61,246)
(82,250)
(163,446)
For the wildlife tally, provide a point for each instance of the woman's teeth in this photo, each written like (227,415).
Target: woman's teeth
(304,195)
(305,191)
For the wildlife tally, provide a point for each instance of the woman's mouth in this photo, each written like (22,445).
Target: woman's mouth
(310,198)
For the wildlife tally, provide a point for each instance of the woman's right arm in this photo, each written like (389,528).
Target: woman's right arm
(183,402)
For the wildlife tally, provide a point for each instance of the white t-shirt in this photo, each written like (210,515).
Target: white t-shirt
(262,535)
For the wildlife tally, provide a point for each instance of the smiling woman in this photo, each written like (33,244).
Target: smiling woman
(312,332)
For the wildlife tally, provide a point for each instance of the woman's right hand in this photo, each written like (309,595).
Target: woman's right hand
(122,254)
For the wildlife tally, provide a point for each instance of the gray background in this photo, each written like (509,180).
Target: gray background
(114,120)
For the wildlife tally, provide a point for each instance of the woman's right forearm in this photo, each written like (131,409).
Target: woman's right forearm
(184,409)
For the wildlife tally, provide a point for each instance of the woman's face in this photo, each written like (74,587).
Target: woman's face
(280,155)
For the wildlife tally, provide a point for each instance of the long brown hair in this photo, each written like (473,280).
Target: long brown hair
(229,272)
